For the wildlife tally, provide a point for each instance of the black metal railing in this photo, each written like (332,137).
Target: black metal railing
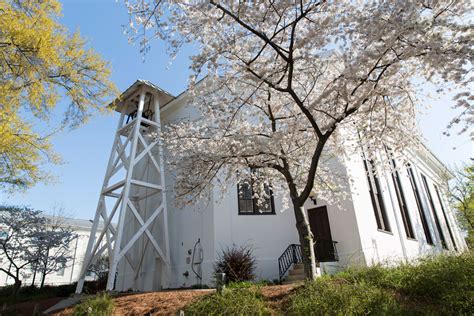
(290,256)
(326,250)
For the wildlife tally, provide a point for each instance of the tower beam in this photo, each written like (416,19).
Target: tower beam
(136,149)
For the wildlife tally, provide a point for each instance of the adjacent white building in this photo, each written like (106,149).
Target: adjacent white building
(71,271)
(388,217)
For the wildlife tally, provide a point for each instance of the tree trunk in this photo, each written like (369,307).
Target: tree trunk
(34,275)
(306,241)
(45,268)
(16,287)
(43,277)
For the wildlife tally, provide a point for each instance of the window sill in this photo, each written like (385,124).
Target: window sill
(412,239)
(256,214)
(385,231)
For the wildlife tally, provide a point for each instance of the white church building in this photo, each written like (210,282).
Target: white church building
(153,244)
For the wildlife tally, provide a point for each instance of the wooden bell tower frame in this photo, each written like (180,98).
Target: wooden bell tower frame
(127,187)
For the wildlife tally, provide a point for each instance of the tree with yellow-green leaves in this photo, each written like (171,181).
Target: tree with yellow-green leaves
(462,199)
(41,63)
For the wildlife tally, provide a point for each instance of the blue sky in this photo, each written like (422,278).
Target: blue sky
(86,149)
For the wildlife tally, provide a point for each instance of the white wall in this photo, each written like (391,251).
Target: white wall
(391,247)
(268,235)
(188,224)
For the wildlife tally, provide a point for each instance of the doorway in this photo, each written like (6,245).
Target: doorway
(325,248)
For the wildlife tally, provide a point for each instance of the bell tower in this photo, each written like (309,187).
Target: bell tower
(130,226)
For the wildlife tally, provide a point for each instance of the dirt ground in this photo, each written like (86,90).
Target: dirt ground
(171,302)
(277,296)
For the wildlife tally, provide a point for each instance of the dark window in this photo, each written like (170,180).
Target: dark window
(401,200)
(376,197)
(445,217)
(435,215)
(421,211)
(248,205)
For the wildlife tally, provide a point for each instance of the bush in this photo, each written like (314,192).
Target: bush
(337,296)
(99,305)
(240,298)
(94,287)
(444,281)
(375,275)
(33,293)
(30,293)
(238,263)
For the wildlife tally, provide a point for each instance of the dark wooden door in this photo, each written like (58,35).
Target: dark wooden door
(319,223)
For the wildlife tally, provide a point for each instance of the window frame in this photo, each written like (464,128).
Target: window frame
(376,197)
(451,235)
(61,271)
(255,210)
(444,244)
(402,203)
(419,204)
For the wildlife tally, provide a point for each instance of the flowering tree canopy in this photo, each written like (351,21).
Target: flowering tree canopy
(291,84)
(32,241)
(53,250)
(21,228)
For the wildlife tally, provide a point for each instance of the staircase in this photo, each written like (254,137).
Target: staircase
(290,257)
(296,274)
(290,263)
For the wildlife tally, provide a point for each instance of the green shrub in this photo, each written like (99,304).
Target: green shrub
(99,305)
(33,293)
(375,275)
(445,281)
(240,298)
(336,296)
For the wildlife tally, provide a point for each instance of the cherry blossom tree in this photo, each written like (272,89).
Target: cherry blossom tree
(293,85)
(53,246)
(33,242)
(21,226)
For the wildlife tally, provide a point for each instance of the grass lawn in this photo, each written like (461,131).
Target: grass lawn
(443,285)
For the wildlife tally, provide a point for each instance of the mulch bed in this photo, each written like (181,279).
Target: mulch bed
(171,302)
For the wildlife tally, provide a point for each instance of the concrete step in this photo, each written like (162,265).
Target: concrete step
(297,277)
(296,272)
(298,266)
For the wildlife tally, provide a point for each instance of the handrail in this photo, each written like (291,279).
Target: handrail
(292,255)
(332,245)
